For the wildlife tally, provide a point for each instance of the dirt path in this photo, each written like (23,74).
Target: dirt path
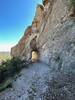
(35,73)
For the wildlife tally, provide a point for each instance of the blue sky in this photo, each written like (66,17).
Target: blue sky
(15,16)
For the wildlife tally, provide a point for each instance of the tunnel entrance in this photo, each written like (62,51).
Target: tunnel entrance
(34,50)
(34,56)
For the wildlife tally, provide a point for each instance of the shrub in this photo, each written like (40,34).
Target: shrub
(73,7)
(72,2)
(10,67)
(6,84)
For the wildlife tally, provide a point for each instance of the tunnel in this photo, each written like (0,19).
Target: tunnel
(34,50)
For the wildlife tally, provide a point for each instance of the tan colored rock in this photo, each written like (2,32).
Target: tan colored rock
(44,29)
(38,17)
(17,50)
(35,56)
(33,44)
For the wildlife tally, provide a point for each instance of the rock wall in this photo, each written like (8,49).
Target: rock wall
(55,32)
(23,48)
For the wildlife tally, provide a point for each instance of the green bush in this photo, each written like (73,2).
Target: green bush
(10,67)
(6,84)
(72,3)
(73,6)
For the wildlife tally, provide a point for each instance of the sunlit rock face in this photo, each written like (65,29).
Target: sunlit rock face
(23,48)
(35,56)
(53,29)
(38,18)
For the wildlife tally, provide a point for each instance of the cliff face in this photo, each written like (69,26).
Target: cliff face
(52,33)
(27,43)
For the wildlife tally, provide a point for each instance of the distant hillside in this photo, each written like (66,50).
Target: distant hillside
(4,55)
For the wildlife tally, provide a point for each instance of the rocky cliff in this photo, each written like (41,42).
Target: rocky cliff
(52,35)
(51,30)
(28,41)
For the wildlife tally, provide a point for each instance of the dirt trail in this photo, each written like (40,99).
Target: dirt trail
(19,91)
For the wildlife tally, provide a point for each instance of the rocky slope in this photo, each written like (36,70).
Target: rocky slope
(29,83)
(52,34)
(40,82)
